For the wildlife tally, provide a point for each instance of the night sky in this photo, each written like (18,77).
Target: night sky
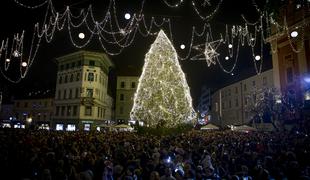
(42,74)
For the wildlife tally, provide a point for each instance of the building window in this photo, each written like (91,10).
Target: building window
(229,104)
(70,93)
(102,112)
(90,76)
(289,75)
(77,78)
(71,78)
(253,83)
(59,127)
(57,111)
(65,94)
(61,67)
(236,90)
(98,112)
(26,104)
(91,63)
(244,87)
(79,63)
(89,92)
(133,84)
(71,127)
(229,93)
(237,103)
(66,78)
(216,107)
(67,66)
(74,113)
(73,65)
(17,104)
(122,84)
(264,81)
(121,97)
(88,110)
(87,127)
(63,108)
(60,80)
(59,94)
(68,110)
(76,92)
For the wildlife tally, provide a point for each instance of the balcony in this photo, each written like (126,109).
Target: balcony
(87,101)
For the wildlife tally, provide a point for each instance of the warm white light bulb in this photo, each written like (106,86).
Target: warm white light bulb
(81,35)
(257,57)
(182,46)
(7,60)
(294,34)
(24,64)
(226,58)
(127,16)
(230,46)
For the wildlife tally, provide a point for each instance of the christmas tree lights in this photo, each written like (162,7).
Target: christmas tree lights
(163,97)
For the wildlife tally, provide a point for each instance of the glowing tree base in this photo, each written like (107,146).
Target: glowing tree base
(162,98)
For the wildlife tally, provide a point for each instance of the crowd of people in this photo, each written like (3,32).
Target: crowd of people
(52,155)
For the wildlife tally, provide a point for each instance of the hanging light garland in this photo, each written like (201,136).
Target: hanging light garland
(110,32)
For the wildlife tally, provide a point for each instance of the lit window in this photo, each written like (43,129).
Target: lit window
(70,127)
(59,127)
(87,127)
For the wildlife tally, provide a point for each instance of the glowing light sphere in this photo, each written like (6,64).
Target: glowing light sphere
(24,64)
(230,46)
(182,46)
(8,60)
(257,57)
(232,74)
(16,53)
(81,35)
(127,16)
(294,34)
(226,58)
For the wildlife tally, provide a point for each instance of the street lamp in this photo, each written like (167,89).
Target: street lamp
(29,120)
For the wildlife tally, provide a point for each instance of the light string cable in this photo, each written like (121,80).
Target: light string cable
(259,29)
(193,34)
(209,16)
(31,7)
(230,50)
(177,4)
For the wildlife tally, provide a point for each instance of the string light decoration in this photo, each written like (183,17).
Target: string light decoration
(208,51)
(163,97)
(109,32)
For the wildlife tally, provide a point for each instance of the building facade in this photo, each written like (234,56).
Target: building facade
(229,103)
(290,50)
(125,90)
(36,112)
(81,99)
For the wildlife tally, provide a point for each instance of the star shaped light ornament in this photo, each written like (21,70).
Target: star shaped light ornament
(208,52)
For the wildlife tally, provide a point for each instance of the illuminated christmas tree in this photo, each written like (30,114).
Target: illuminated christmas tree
(162,98)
